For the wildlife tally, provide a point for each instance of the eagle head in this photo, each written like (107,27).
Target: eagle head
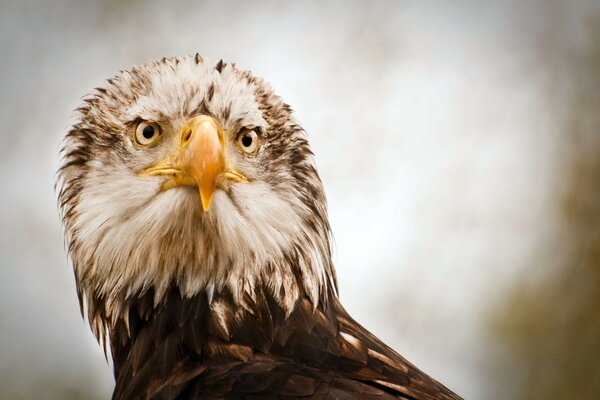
(182,172)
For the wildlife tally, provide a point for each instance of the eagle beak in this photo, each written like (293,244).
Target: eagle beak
(199,161)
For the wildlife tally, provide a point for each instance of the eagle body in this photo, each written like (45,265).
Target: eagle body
(197,226)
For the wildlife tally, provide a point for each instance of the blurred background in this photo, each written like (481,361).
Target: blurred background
(459,144)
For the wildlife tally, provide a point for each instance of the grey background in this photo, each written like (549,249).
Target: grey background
(459,147)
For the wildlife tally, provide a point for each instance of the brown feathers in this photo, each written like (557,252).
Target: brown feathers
(219,66)
(188,349)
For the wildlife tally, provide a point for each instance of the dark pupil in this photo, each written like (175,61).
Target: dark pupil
(148,131)
(247,140)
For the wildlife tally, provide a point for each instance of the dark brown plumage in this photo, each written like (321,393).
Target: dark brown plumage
(231,298)
(188,349)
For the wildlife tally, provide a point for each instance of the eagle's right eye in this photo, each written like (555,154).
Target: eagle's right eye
(147,133)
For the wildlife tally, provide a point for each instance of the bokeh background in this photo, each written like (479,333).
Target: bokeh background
(459,144)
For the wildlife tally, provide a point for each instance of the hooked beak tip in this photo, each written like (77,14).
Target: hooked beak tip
(206,197)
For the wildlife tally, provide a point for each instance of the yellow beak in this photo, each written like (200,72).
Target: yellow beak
(199,161)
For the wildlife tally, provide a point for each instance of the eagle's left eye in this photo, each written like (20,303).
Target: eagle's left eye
(146,133)
(248,141)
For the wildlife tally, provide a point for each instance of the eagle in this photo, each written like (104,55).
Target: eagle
(197,226)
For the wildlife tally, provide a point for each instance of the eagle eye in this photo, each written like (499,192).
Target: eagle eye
(146,133)
(248,141)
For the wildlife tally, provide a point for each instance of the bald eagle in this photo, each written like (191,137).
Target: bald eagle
(197,227)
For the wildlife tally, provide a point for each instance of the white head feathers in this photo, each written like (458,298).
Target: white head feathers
(126,236)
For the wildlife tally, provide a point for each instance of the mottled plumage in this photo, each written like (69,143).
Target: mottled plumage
(240,300)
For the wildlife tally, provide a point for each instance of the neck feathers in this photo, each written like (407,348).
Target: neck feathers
(303,274)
